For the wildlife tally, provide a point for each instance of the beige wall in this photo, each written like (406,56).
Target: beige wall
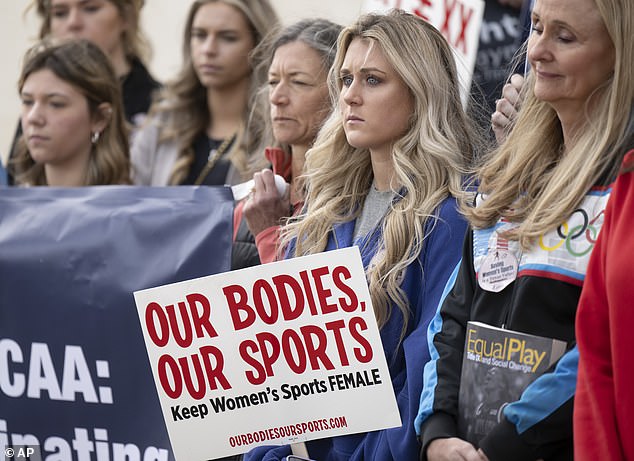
(162,21)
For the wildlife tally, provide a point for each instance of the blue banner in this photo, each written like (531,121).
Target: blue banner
(3,175)
(75,378)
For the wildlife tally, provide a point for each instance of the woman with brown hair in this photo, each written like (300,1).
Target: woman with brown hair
(73,128)
(114,26)
(197,132)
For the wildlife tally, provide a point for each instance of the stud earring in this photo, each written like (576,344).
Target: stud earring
(94,137)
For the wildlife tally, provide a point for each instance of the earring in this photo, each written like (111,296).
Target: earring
(94,137)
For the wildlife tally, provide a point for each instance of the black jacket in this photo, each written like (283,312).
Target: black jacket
(542,300)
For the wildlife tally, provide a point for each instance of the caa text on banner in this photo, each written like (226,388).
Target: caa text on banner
(274,354)
(74,373)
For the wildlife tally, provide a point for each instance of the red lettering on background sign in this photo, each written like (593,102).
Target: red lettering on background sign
(304,348)
(420,11)
(339,273)
(363,354)
(316,342)
(323,294)
(450,5)
(288,297)
(461,42)
(457,39)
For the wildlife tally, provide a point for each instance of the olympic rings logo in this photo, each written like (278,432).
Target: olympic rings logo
(568,235)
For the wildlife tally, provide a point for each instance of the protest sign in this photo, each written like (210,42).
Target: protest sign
(274,354)
(74,377)
(459,22)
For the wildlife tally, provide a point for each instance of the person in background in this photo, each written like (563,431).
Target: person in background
(73,128)
(384,174)
(296,103)
(539,210)
(197,132)
(603,424)
(113,25)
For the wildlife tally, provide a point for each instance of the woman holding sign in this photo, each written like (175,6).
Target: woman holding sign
(384,174)
(538,213)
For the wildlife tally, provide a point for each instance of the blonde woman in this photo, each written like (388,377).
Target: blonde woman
(384,174)
(197,131)
(540,208)
(72,120)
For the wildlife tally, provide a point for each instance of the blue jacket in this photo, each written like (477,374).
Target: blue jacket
(423,284)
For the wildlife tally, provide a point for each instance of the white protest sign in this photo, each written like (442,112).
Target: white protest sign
(459,22)
(274,354)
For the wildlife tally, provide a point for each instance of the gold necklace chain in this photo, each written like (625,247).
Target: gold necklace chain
(212,159)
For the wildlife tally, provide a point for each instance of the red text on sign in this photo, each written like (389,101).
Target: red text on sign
(194,374)
(305,349)
(163,322)
(288,297)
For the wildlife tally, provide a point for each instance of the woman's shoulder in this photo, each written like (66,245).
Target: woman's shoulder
(627,166)
(449,211)
(138,89)
(148,132)
(148,139)
(447,227)
(152,159)
(139,78)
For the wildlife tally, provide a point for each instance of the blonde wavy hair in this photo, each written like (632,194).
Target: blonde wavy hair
(83,65)
(429,159)
(135,43)
(528,180)
(181,109)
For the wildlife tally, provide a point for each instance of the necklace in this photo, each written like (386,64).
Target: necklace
(212,159)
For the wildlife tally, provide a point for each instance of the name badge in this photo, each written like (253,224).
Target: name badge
(497,271)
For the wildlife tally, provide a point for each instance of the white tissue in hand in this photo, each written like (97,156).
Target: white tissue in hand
(240,191)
